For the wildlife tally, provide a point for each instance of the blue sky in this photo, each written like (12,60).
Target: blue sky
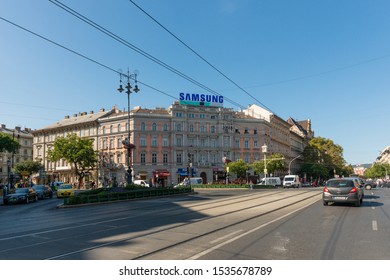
(327,61)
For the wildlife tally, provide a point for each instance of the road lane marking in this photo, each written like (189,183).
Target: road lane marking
(205,252)
(226,236)
(374,225)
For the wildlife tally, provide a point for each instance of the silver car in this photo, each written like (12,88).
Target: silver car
(343,190)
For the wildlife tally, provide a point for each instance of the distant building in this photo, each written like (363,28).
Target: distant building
(25,152)
(384,156)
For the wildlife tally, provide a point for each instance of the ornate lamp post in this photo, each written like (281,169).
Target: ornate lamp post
(128,145)
(264,149)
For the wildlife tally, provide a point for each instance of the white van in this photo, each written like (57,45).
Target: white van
(141,183)
(192,181)
(291,181)
(271,181)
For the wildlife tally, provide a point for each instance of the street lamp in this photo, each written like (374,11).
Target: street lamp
(8,173)
(264,149)
(128,145)
(289,165)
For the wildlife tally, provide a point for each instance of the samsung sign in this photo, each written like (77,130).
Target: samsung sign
(200,99)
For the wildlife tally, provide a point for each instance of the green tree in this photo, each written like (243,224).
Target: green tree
(28,167)
(8,144)
(378,170)
(274,162)
(323,159)
(238,167)
(76,151)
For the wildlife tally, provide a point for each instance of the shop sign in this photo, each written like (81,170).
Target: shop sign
(201,99)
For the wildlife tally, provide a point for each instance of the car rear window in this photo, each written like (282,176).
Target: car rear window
(340,183)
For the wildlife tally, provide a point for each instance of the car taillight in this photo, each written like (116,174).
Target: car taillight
(353,190)
(326,190)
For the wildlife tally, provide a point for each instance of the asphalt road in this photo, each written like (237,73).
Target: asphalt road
(281,224)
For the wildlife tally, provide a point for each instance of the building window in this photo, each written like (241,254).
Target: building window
(142,142)
(154,158)
(178,127)
(143,127)
(111,129)
(104,130)
(246,144)
(237,143)
(191,128)
(154,127)
(119,127)
(202,128)
(178,158)
(212,129)
(255,144)
(111,143)
(154,142)
(165,142)
(143,158)
(165,127)
(165,158)
(179,141)
(104,144)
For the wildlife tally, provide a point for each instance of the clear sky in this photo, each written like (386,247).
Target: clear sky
(328,61)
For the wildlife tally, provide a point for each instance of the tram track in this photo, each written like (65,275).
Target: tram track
(197,223)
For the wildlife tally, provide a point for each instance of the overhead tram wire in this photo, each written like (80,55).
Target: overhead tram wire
(81,55)
(85,57)
(197,54)
(138,50)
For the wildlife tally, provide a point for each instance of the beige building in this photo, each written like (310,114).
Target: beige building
(84,125)
(25,152)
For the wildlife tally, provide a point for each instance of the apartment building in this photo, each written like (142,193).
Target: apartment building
(25,152)
(186,139)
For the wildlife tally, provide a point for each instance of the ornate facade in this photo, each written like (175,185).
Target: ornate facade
(170,144)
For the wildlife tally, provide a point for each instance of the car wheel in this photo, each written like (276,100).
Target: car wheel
(325,203)
(368,187)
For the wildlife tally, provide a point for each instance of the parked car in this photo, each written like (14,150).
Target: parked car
(343,190)
(190,181)
(272,181)
(291,181)
(43,191)
(65,190)
(369,184)
(141,183)
(21,195)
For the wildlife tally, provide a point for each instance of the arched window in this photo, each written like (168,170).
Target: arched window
(154,127)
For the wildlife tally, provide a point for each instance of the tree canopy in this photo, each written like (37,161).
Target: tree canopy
(274,162)
(76,151)
(8,144)
(324,159)
(28,166)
